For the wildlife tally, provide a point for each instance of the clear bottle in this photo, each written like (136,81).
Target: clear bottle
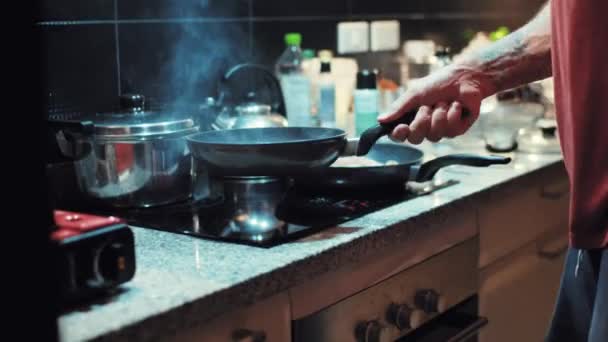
(326,88)
(366,101)
(442,58)
(295,85)
(420,56)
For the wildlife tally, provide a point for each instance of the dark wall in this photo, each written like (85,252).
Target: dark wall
(175,49)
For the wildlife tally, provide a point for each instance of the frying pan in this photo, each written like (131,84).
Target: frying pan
(301,151)
(405,166)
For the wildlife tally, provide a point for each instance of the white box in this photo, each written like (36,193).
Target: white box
(385,35)
(353,37)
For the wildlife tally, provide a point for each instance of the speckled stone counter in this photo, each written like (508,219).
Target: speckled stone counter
(182,281)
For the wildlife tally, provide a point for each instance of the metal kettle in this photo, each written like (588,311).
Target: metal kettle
(241,107)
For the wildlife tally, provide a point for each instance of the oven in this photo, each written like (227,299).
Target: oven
(459,324)
(433,301)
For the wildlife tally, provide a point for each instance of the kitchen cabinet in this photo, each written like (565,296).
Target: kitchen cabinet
(523,242)
(517,294)
(265,321)
(515,216)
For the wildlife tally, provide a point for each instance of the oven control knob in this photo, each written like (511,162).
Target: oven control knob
(404,317)
(370,331)
(429,301)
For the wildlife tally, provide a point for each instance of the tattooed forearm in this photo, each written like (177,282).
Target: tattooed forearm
(523,56)
(512,44)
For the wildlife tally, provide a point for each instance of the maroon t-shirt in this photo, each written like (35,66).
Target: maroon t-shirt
(580,70)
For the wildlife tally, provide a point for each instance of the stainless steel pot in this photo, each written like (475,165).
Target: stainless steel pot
(134,158)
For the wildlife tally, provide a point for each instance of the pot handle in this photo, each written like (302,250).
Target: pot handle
(427,171)
(65,138)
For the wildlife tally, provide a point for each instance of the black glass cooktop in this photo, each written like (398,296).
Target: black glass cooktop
(266,217)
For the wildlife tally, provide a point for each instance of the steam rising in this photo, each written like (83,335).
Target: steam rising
(203,49)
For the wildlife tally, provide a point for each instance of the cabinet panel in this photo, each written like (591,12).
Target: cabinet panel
(515,217)
(517,293)
(266,321)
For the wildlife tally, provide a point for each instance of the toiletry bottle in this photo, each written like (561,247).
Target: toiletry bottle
(366,101)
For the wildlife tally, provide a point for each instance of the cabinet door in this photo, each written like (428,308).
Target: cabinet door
(518,215)
(518,292)
(265,321)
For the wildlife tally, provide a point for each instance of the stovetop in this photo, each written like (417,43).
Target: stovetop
(266,221)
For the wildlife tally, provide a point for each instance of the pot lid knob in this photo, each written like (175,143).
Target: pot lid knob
(132,102)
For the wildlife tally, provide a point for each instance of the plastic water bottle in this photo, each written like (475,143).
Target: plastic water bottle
(295,85)
(326,92)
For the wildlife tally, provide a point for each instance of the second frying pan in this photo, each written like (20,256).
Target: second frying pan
(404,164)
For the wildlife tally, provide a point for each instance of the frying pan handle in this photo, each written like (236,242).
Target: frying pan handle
(387,128)
(371,135)
(427,171)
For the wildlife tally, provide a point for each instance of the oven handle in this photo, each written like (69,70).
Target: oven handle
(470,331)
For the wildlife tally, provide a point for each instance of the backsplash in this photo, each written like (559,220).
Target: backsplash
(175,51)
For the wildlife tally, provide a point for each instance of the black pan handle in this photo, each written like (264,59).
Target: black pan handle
(371,135)
(427,171)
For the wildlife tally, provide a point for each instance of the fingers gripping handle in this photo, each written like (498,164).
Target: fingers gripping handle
(371,135)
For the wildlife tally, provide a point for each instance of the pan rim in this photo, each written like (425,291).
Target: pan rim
(341,135)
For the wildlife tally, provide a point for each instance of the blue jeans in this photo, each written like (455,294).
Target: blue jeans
(581,311)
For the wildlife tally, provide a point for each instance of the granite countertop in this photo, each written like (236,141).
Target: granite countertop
(182,281)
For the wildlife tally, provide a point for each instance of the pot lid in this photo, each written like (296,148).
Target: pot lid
(132,122)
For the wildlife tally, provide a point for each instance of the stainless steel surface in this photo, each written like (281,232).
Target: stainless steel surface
(133,123)
(145,129)
(254,200)
(137,174)
(249,115)
(439,283)
(136,158)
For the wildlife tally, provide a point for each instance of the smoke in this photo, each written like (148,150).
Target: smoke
(205,47)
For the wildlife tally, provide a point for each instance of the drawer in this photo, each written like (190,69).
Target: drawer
(517,294)
(513,217)
(265,321)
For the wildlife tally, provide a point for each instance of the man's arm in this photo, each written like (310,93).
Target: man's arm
(519,58)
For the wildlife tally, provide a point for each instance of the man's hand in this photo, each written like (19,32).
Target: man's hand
(441,98)
(523,56)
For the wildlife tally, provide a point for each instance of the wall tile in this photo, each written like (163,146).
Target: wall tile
(76,10)
(81,66)
(269,37)
(154,9)
(362,7)
(170,62)
(280,8)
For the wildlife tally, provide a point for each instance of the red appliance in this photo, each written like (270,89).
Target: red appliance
(97,253)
